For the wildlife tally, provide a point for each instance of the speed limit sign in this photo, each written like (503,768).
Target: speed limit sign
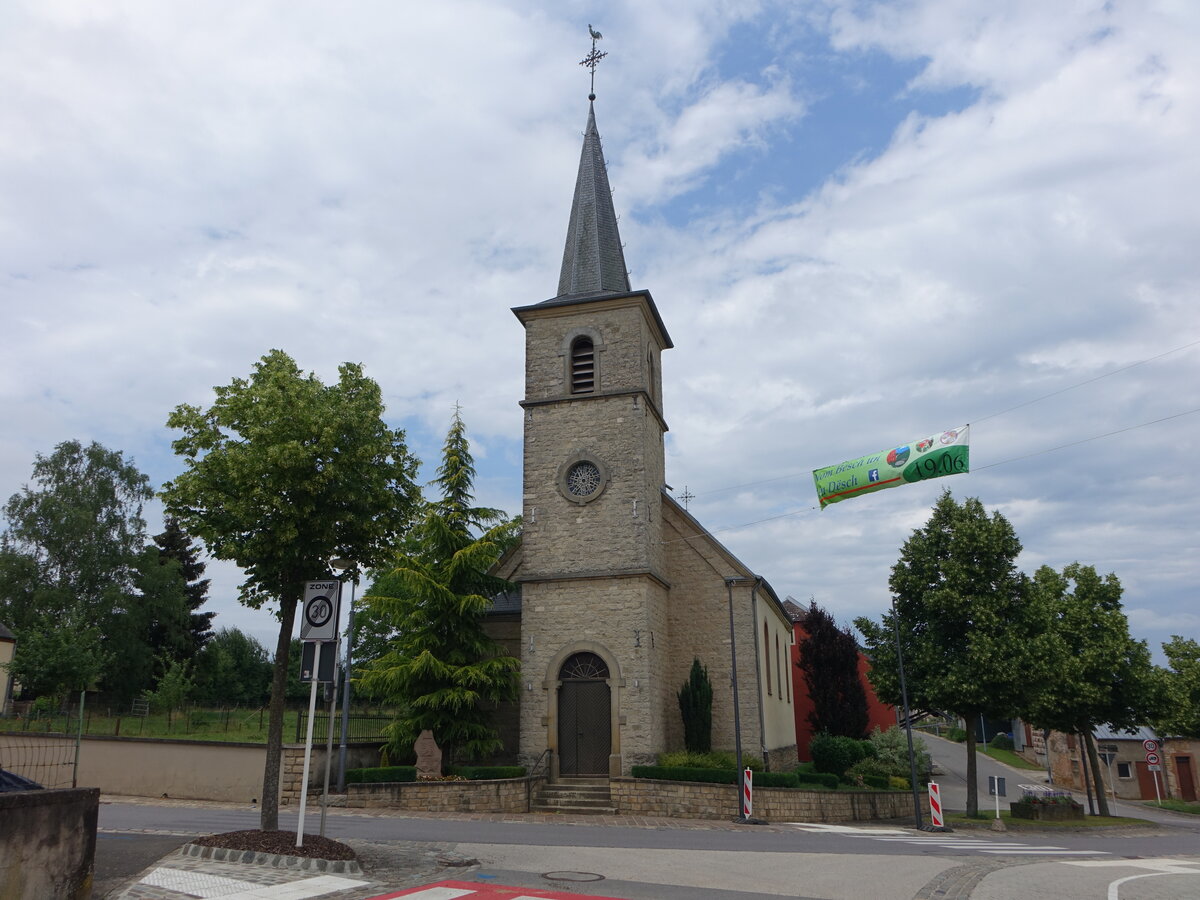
(1150,745)
(319,619)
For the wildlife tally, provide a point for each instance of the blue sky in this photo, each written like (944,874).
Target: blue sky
(862,223)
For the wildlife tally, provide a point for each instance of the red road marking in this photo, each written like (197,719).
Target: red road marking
(483,891)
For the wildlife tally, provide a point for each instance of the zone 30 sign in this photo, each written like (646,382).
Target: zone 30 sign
(319,621)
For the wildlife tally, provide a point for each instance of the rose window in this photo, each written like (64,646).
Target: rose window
(583,479)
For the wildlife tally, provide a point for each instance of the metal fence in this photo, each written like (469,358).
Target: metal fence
(361,726)
(50,763)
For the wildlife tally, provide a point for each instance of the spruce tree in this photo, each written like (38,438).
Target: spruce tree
(176,544)
(442,670)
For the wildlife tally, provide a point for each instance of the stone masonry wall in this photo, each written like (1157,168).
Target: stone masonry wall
(688,800)
(500,796)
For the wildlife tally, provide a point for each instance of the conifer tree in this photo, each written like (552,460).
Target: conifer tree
(176,544)
(695,705)
(442,669)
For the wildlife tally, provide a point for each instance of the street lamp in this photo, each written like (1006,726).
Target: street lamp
(344,565)
(912,757)
(737,715)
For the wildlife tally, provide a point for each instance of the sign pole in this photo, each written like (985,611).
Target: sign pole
(312,707)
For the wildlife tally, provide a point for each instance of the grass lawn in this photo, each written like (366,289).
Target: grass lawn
(1178,806)
(983,820)
(1009,758)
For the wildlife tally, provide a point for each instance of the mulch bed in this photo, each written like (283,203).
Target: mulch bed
(281,842)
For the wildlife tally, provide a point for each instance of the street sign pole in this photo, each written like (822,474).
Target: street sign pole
(308,734)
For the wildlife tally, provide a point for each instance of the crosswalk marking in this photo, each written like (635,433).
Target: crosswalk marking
(976,845)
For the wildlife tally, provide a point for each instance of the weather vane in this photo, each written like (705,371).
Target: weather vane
(593,59)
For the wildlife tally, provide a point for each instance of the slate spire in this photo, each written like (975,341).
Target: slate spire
(593,261)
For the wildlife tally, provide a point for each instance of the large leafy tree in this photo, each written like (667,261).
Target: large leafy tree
(283,473)
(1178,714)
(72,568)
(1101,674)
(828,658)
(442,670)
(971,638)
(175,547)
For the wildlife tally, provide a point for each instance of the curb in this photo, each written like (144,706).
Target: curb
(275,860)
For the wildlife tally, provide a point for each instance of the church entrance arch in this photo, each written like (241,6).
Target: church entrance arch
(584,716)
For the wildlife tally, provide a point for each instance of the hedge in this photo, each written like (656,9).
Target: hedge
(820,778)
(486,773)
(385,773)
(713,776)
(880,782)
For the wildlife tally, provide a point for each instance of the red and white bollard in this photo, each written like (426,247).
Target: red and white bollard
(935,806)
(747,793)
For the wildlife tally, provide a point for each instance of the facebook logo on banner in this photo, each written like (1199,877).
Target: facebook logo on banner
(873,475)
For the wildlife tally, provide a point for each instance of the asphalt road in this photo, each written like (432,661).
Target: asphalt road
(951,760)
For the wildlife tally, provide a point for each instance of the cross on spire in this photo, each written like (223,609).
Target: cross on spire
(593,59)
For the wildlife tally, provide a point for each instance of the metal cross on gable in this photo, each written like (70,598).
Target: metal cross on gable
(593,59)
(687,496)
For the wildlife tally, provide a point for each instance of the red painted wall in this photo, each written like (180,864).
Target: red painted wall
(879,714)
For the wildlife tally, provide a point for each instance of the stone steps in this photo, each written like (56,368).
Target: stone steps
(581,796)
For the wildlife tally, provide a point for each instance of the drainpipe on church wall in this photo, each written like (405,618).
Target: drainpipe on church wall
(762,731)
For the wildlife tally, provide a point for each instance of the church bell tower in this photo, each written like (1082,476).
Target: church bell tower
(593,588)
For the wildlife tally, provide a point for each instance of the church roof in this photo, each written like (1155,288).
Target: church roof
(6,635)
(593,261)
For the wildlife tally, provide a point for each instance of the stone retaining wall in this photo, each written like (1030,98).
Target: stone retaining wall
(509,795)
(692,800)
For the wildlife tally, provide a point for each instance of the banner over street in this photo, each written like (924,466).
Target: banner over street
(935,456)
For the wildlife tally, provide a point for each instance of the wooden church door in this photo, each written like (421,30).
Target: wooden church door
(584,718)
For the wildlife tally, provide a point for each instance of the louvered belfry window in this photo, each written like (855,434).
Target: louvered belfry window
(583,366)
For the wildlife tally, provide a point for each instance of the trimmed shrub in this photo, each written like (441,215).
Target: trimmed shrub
(713,776)
(1002,741)
(381,774)
(879,782)
(956,734)
(816,779)
(896,783)
(486,773)
(835,754)
(714,759)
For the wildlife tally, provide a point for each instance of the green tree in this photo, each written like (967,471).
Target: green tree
(828,657)
(71,566)
(1101,674)
(234,669)
(148,631)
(283,473)
(971,638)
(695,706)
(175,546)
(1178,713)
(442,669)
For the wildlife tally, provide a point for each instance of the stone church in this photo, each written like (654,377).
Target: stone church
(620,588)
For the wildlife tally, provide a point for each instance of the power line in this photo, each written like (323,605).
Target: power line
(1088,381)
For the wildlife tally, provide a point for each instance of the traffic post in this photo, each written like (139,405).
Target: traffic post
(319,626)
(747,793)
(935,806)
(1154,765)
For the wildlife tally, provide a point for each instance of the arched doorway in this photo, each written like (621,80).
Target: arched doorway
(584,710)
